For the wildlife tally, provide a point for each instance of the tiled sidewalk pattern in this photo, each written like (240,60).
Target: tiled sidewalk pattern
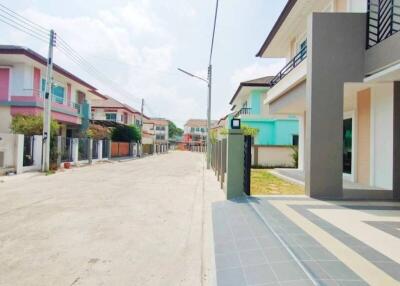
(247,251)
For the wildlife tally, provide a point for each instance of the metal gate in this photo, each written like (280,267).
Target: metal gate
(247,164)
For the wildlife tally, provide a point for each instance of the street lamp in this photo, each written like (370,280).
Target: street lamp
(208,81)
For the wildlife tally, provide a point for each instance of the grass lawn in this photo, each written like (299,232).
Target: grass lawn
(265,183)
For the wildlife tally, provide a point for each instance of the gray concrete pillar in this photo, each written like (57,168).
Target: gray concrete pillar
(90,150)
(335,55)
(396,141)
(234,164)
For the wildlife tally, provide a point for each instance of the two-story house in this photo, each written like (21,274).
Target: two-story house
(247,104)
(195,133)
(22,85)
(115,111)
(161,134)
(342,79)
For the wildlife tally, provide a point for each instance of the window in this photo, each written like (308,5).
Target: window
(58,92)
(203,129)
(295,140)
(160,137)
(192,129)
(111,117)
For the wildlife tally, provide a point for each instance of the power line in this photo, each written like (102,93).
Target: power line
(37,31)
(21,18)
(24,31)
(213,33)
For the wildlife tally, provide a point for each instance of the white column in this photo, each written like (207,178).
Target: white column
(37,151)
(100,149)
(75,150)
(19,153)
(302,129)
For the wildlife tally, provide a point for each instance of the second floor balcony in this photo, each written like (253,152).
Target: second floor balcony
(383,20)
(293,63)
(244,111)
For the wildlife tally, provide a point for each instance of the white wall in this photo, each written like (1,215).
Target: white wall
(357,6)
(382,136)
(273,156)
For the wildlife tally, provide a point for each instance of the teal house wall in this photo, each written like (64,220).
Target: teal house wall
(271,131)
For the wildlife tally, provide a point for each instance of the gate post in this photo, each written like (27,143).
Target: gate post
(90,150)
(234,164)
(59,150)
(223,162)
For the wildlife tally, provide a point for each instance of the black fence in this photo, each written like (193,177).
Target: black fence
(95,149)
(29,142)
(66,149)
(106,149)
(83,149)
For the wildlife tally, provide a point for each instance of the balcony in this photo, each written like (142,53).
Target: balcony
(243,111)
(294,62)
(383,20)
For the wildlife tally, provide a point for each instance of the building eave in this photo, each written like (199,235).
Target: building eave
(281,19)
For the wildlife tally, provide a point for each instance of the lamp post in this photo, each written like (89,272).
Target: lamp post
(208,81)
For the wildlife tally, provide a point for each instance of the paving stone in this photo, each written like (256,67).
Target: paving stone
(231,277)
(229,260)
(252,257)
(288,271)
(277,254)
(259,274)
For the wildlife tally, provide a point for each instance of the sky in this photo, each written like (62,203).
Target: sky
(139,44)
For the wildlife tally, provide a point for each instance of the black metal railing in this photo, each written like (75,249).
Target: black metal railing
(297,59)
(383,20)
(66,149)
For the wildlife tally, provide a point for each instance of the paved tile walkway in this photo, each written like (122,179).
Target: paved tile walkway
(301,241)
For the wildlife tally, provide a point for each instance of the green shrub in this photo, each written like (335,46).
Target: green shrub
(32,125)
(125,133)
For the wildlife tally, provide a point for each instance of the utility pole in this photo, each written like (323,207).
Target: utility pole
(209,118)
(47,106)
(141,127)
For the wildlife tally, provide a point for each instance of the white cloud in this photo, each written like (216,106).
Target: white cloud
(120,42)
(256,70)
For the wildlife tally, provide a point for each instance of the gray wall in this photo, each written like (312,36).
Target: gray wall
(382,55)
(337,42)
(288,99)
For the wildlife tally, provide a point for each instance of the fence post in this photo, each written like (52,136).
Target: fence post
(223,162)
(37,151)
(59,150)
(75,150)
(19,154)
(90,150)
(109,149)
(235,164)
(100,150)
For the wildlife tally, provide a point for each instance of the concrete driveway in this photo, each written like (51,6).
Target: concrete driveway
(142,222)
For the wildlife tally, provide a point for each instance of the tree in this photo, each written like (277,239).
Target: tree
(125,133)
(98,132)
(173,130)
(30,125)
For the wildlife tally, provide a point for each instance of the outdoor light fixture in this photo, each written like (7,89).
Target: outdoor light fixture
(235,123)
